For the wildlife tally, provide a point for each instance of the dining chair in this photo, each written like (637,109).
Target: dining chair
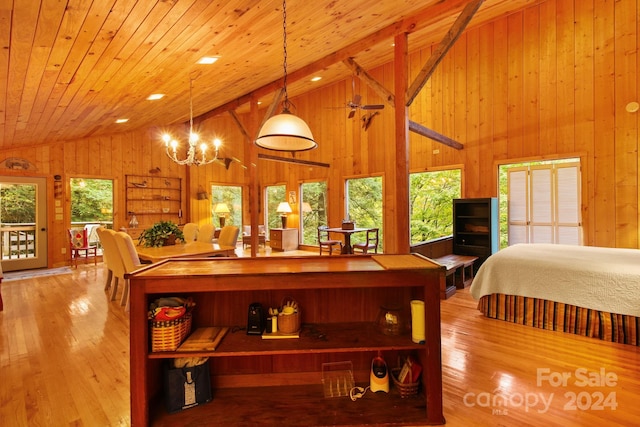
(190,231)
(325,241)
(105,258)
(371,242)
(130,260)
(246,236)
(205,233)
(113,258)
(1,276)
(79,246)
(228,235)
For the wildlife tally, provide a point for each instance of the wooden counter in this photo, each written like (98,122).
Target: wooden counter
(252,378)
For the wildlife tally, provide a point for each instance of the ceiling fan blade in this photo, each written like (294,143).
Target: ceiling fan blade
(372,107)
(352,113)
(356,100)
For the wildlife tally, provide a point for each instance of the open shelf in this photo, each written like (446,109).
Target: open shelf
(316,338)
(297,406)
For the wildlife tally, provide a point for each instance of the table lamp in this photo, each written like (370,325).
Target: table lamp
(283,209)
(222,210)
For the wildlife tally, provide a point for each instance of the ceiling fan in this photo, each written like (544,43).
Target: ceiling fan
(354,104)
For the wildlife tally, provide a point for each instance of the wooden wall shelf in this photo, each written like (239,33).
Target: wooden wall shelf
(153,199)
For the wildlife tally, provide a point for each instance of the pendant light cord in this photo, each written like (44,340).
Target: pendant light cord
(285,104)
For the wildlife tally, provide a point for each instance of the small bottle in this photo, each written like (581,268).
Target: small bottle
(134,221)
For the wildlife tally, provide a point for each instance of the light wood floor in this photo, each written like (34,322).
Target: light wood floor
(64,360)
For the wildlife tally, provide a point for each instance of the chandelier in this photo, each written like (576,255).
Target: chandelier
(285,132)
(196,154)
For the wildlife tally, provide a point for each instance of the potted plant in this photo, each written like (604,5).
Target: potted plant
(161,234)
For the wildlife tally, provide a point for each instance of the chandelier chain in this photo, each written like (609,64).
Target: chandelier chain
(190,107)
(284,62)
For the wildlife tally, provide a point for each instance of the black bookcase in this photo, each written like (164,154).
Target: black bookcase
(475,227)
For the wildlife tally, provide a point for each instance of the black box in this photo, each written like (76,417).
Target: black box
(186,387)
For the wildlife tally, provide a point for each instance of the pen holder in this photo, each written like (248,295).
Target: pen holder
(289,317)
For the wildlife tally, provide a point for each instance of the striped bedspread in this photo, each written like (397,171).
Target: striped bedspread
(584,290)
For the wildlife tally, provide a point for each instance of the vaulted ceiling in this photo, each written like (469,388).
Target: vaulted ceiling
(70,69)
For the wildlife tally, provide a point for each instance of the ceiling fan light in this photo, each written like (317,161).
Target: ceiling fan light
(285,132)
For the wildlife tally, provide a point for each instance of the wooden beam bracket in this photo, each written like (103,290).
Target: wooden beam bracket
(432,134)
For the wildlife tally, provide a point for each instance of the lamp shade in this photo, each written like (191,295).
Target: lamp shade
(285,132)
(284,208)
(222,208)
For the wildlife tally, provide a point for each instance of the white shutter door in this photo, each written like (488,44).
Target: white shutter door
(541,204)
(517,214)
(568,203)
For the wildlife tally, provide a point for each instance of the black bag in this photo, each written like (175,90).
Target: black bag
(186,387)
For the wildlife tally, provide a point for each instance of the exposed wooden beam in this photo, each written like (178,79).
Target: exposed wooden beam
(420,20)
(377,87)
(449,39)
(296,161)
(432,134)
(243,130)
(397,212)
(277,98)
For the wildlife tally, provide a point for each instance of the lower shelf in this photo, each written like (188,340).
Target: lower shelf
(296,406)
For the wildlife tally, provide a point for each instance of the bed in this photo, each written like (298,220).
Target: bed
(585,290)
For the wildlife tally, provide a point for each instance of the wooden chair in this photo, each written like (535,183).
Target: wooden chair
(190,231)
(246,236)
(79,246)
(324,241)
(371,242)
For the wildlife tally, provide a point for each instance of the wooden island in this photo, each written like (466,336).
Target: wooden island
(278,382)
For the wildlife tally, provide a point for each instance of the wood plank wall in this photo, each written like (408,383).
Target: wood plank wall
(548,82)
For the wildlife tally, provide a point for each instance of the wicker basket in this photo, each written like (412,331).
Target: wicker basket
(289,323)
(405,389)
(167,335)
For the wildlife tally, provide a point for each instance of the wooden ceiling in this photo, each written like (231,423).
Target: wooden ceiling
(69,69)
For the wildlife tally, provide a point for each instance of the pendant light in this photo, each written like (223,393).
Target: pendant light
(285,131)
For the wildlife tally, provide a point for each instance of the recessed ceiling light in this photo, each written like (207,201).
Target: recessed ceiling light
(208,60)
(155,96)
(122,120)
(316,78)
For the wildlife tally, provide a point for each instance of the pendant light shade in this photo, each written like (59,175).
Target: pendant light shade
(286,132)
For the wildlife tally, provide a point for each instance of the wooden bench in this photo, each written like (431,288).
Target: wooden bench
(459,267)
(459,271)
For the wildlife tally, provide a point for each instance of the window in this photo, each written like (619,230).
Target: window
(431,197)
(540,203)
(364,203)
(313,210)
(273,195)
(231,195)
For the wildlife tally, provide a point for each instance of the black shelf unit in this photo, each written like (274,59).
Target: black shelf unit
(475,227)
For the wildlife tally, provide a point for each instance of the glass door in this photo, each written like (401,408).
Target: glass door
(23,219)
